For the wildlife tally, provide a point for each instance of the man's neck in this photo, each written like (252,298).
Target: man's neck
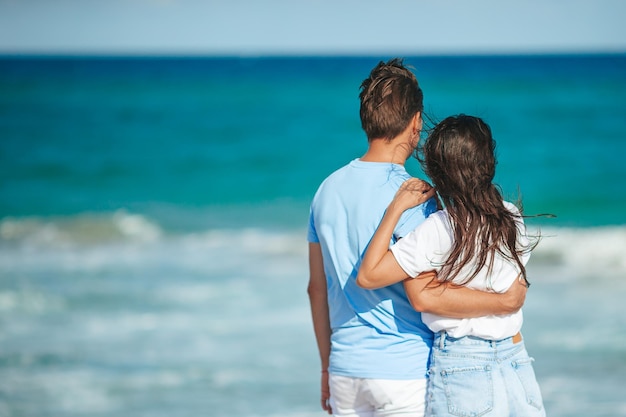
(381,150)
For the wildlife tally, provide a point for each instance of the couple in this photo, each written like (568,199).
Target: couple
(375,348)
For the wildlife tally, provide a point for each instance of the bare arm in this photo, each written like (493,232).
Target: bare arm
(455,301)
(318,298)
(379,268)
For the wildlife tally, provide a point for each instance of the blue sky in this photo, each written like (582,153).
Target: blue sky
(249,27)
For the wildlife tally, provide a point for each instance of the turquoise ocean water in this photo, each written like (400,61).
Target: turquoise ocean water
(153,213)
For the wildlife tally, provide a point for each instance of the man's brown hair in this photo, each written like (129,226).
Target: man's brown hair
(390,97)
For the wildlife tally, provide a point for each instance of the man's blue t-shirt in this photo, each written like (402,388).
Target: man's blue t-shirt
(375,333)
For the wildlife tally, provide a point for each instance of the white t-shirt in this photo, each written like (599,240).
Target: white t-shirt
(427,247)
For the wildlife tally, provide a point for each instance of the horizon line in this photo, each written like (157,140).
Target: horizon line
(303,54)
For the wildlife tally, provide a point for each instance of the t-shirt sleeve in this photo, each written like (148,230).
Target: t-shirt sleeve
(523,241)
(417,251)
(311,232)
(412,218)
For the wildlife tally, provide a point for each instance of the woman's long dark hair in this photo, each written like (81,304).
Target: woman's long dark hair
(459,157)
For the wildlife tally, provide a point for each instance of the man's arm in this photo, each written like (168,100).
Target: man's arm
(318,298)
(450,300)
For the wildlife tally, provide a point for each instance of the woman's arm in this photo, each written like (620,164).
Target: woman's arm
(379,267)
(450,300)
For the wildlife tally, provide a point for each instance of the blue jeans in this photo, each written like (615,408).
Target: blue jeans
(471,377)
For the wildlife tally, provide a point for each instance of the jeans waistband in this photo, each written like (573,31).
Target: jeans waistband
(443,338)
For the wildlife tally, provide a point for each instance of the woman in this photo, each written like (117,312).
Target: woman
(479,366)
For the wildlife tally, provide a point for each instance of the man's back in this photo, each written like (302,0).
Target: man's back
(373,346)
(375,333)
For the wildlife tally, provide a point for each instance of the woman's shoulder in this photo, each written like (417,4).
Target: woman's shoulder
(438,220)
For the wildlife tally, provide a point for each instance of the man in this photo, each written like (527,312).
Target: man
(373,345)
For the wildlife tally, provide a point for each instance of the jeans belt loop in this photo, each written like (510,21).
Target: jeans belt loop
(442,339)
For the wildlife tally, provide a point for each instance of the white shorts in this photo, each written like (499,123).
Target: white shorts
(359,397)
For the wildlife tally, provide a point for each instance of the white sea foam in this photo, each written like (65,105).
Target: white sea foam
(136,227)
(583,251)
(79,230)
(29,301)
(125,240)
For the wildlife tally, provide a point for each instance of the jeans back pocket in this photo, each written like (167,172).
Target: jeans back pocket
(469,390)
